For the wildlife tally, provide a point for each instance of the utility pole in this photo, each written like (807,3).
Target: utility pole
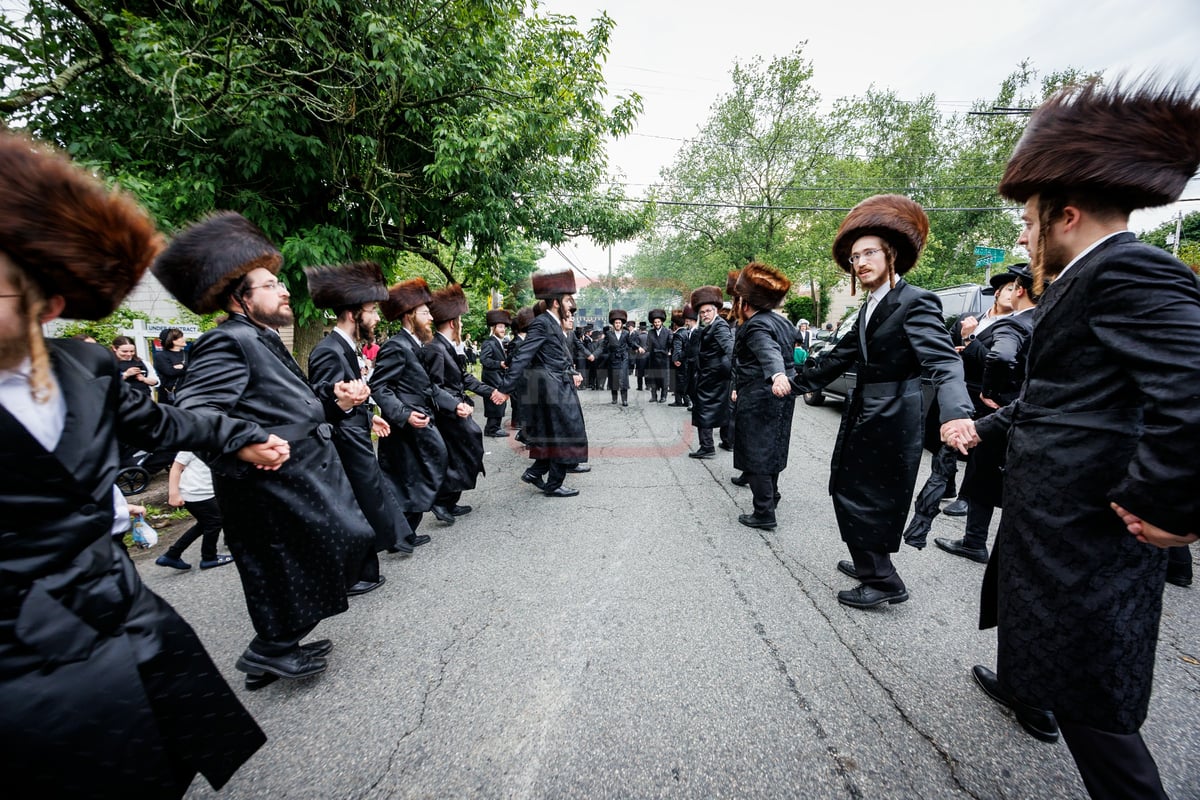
(612,299)
(1178,233)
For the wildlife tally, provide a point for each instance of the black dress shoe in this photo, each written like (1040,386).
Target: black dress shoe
(1182,581)
(956,546)
(362,587)
(740,480)
(848,568)
(534,479)
(956,509)
(580,468)
(863,596)
(703,452)
(295,664)
(319,649)
(726,445)
(459,511)
(443,514)
(755,521)
(418,539)
(1037,722)
(561,491)
(496,434)
(404,549)
(625,403)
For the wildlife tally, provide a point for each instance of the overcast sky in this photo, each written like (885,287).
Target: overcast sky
(677,56)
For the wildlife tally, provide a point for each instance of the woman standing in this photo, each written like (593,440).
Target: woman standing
(133,369)
(170,363)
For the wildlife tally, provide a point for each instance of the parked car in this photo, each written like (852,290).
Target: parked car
(959,301)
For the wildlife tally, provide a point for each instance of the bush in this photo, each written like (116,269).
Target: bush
(801,307)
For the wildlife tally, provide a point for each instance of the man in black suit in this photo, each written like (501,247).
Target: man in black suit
(494,360)
(618,348)
(1101,468)
(711,364)
(353,292)
(900,335)
(658,356)
(680,343)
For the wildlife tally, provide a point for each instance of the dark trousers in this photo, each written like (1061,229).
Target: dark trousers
(277,647)
(414,519)
(552,469)
(876,569)
(765,489)
(706,438)
(447,499)
(979,518)
(1114,766)
(208,525)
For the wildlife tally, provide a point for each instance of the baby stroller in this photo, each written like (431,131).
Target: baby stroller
(138,467)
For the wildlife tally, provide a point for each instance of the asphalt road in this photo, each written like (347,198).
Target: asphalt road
(635,641)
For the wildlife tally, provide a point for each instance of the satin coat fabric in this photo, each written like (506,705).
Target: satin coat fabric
(1108,412)
(463,436)
(494,362)
(413,459)
(764,422)
(658,355)
(618,350)
(554,426)
(878,448)
(713,344)
(332,361)
(105,690)
(297,533)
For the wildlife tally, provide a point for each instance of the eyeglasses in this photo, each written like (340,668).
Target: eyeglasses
(865,254)
(270,286)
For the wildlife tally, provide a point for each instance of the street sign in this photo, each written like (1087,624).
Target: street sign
(986,261)
(989,255)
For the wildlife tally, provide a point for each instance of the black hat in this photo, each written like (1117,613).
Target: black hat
(346,285)
(206,259)
(1001,278)
(618,313)
(498,316)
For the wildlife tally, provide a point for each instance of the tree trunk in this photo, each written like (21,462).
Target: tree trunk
(304,339)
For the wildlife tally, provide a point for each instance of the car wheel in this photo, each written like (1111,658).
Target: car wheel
(814,399)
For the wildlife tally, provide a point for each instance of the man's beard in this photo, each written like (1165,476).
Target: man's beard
(363,330)
(13,350)
(423,331)
(276,319)
(1049,260)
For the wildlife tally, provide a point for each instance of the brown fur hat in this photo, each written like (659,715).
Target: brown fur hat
(497,316)
(523,319)
(70,233)
(347,285)
(403,297)
(731,282)
(762,287)
(677,317)
(706,296)
(205,259)
(689,311)
(1128,147)
(547,283)
(617,313)
(656,313)
(448,303)
(894,217)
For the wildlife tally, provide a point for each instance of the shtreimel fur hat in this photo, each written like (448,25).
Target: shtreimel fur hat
(706,296)
(403,297)
(448,303)
(731,280)
(657,313)
(547,284)
(689,311)
(347,285)
(498,316)
(893,217)
(68,231)
(1129,148)
(762,287)
(523,319)
(204,261)
(618,313)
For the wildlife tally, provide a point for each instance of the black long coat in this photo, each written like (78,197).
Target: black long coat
(463,437)
(297,533)
(1108,413)
(554,426)
(679,345)
(878,448)
(105,690)
(618,350)
(764,422)
(413,459)
(713,344)
(658,355)
(494,361)
(332,361)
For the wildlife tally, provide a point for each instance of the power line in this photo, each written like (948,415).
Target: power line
(749,207)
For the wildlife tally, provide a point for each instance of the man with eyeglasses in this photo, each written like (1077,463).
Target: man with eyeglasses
(298,536)
(899,336)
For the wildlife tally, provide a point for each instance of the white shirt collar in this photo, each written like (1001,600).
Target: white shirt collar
(346,336)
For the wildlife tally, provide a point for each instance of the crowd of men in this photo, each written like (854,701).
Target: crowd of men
(1088,446)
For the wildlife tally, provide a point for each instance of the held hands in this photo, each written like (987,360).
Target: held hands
(498,397)
(268,455)
(1148,533)
(349,394)
(781,386)
(463,409)
(960,434)
(593,358)
(418,420)
(380,427)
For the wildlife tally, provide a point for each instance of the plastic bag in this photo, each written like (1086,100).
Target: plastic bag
(143,534)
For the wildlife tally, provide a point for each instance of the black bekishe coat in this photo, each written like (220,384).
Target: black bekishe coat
(713,344)
(105,690)
(878,448)
(463,437)
(764,422)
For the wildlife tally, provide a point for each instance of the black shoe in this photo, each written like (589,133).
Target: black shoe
(221,560)
(417,539)
(726,445)
(848,568)
(1037,722)
(362,587)
(496,434)
(614,401)
(295,664)
(459,511)
(402,548)
(956,509)
(678,404)
(956,546)
(740,480)
(561,491)
(755,521)
(1182,581)
(625,403)
(520,437)
(580,468)
(443,514)
(863,596)
(703,452)
(534,479)
(318,649)
(172,562)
